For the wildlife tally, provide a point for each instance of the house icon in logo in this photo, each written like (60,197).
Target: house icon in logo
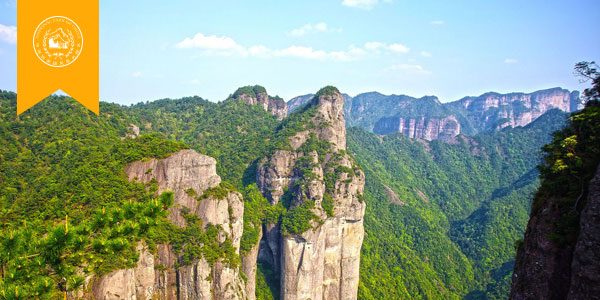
(58,40)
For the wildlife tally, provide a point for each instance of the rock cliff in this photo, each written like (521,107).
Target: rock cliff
(547,269)
(257,95)
(496,111)
(428,118)
(420,128)
(316,247)
(165,274)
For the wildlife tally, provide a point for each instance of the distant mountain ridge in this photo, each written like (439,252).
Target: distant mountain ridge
(429,119)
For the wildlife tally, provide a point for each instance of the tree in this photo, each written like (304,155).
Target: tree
(589,71)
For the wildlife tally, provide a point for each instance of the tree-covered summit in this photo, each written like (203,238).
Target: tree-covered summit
(249,90)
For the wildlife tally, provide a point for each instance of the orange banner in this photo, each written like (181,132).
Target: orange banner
(57,48)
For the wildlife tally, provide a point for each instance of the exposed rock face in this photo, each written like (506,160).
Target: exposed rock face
(428,118)
(136,283)
(277,107)
(322,262)
(257,95)
(249,269)
(156,276)
(426,129)
(585,269)
(496,111)
(330,112)
(547,270)
(181,171)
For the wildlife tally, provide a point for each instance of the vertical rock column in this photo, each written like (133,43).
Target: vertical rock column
(323,262)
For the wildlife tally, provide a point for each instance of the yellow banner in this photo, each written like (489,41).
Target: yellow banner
(57,48)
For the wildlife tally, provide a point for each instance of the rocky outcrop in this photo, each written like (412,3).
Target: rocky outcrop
(428,118)
(585,269)
(249,268)
(257,95)
(164,275)
(421,128)
(179,172)
(321,262)
(496,111)
(547,269)
(135,283)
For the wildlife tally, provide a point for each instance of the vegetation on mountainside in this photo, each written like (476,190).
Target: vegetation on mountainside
(233,132)
(249,90)
(559,206)
(589,71)
(570,162)
(65,203)
(67,207)
(326,91)
(466,204)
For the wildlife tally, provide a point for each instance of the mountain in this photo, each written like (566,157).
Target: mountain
(441,217)
(258,95)
(429,119)
(315,249)
(154,218)
(558,255)
(190,199)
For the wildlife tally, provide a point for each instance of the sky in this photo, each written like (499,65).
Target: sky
(169,49)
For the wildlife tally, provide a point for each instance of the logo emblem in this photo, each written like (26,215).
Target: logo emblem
(57,41)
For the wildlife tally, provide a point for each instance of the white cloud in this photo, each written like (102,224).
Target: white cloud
(136,74)
(354,51)
(259,51)
(437,22)
(425,54)
(8,34)
(362,4)
(374,45)
(214,45)
(303,52)
(408,68)
(398,48)
(316,28)
(510,61)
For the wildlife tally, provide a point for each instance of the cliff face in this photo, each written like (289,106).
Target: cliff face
(164,275)
(585,268)
(547,270)
(496,111)
(321,262)
(559,255)
(420,128)
(257,95)
(427,118)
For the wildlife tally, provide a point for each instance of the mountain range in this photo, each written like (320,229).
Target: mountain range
(256,198)
(429,119)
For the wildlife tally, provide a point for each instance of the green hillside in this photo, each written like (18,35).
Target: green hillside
(459,209)
(441,218)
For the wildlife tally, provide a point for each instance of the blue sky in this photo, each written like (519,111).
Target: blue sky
(157,49)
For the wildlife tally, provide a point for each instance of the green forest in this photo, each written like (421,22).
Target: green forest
(442,218)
